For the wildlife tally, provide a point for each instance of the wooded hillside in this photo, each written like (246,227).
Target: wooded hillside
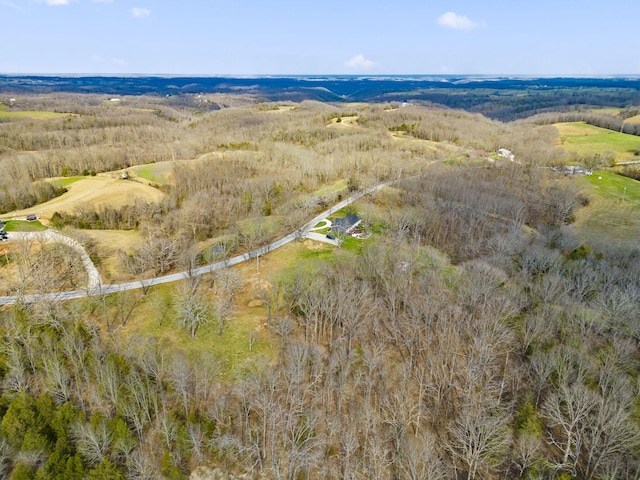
(476,333)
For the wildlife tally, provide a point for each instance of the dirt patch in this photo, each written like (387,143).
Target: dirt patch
(311,245)
(256,283)
(94,192)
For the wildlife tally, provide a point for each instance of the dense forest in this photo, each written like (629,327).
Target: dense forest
(477,333)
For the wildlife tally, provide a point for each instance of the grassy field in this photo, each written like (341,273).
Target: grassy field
(615,188)
(94,192)
(584,139)
(612,111)
(614,209)
(329,189)
(155,172)
(24,226)
(248,324)
(107,246)
(63,182)
(231,349)
(11,116)
(634,120)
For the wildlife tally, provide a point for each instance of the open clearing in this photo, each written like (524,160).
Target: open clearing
(94,192)
(279,108)
(613,210)
(159,173)
(347,121)
(11,116)
(107,245)
(588,140)
(248,323)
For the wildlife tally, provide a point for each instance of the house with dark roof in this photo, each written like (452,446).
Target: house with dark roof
(346,225)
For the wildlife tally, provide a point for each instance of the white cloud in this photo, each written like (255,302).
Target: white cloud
(102,1)
(360,63)
(56,2)
(140,12)
(457,22)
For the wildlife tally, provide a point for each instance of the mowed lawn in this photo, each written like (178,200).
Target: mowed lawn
(586,139)
(24,226)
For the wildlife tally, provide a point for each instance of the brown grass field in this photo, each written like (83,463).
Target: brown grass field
(107,245)
(633,120)
(94,192)
(577,129)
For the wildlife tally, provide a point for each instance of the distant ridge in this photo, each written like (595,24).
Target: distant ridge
(504,98)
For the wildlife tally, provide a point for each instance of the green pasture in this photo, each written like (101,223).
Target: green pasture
(615,188)
(24,226)
(155,172)
(586,139)
(64,182)
(12,116)
(614,208)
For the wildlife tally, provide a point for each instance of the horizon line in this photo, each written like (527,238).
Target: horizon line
(290,75)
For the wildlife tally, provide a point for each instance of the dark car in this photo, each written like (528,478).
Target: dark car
(31,217)
(331,236)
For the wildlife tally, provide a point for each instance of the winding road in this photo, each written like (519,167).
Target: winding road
(95,287)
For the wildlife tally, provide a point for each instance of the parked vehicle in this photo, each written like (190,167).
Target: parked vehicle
(31,217)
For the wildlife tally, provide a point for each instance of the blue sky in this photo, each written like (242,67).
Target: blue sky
(252,37)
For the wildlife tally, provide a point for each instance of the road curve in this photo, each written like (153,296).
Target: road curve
(100,289)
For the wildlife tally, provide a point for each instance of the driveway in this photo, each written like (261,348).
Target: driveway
(321,237)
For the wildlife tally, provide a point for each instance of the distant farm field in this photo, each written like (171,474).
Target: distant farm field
(633,120)
(10,116)
(612,111)
(586,139)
